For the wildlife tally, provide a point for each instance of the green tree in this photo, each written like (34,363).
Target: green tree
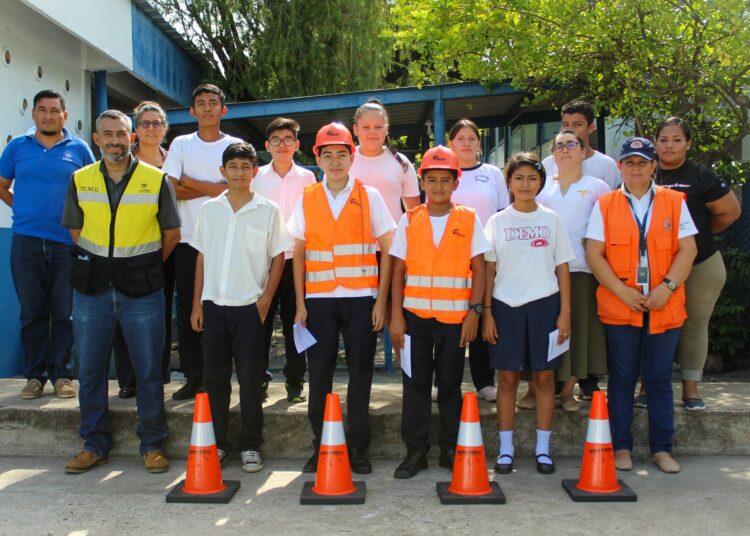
(638,60)
(262,49)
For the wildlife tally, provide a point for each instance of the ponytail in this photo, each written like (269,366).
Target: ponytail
(375,105)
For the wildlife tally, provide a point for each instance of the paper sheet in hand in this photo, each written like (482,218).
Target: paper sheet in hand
(555,349)
(303,339)
(406,356)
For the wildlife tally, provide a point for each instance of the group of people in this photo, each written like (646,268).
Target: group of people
(612,256)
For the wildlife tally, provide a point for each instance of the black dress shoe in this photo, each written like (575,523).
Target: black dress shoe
(414,462)
(545,468)
(358,461)
(311,466)
(126,392)
(188,391)
(504,468)
(446,458)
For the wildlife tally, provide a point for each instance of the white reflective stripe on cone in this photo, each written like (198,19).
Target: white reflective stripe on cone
(203,434)
(470,435)
(598,432)
(354,249)
(333,433)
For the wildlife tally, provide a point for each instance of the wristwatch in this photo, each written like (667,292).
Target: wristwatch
(671,285)
(476,307)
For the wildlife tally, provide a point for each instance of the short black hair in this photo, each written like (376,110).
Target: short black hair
(241,150)
(579,107)
(209,88)
(282,123)
(49,94)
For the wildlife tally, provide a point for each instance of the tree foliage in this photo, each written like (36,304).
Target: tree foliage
(638,60)
(261,49)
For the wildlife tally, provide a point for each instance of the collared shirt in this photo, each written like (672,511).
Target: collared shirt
(284,191)
(238,248)
(381,223)
(41,177)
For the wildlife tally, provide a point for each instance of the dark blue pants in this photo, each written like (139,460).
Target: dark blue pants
(41,276)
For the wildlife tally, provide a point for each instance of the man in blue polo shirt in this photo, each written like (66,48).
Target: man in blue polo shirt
(39,164)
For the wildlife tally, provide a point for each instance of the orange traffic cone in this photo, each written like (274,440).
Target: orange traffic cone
(203,483)
(470,484)
(598,479)
(333,480)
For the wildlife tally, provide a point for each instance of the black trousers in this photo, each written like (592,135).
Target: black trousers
(434,349)
(482,375)
(191,356)
(326,317)
(294,370)
(123,363)
(238,332)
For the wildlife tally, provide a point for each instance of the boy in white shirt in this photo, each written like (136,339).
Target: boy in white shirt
(240,237)
(336,226)
(282,181)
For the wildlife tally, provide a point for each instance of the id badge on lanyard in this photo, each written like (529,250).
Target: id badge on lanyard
(642,272)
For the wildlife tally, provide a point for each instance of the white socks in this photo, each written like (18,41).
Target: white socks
(542,444)
(506,443)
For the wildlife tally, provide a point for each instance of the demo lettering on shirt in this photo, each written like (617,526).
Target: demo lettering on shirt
(537,235)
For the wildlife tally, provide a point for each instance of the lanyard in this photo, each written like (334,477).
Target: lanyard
(642,224)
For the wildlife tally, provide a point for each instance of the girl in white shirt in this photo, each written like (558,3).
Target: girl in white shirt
(528,284)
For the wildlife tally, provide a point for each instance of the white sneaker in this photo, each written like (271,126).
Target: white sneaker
(434,394)
(223,457)
(489,393)
(251,461)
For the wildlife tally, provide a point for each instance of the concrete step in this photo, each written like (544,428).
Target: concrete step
(48,426)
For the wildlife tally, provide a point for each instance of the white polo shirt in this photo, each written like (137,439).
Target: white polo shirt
(381,223)
(284,191)
(238,248)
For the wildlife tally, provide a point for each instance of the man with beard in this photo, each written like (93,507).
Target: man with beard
(123,216)
(38,164)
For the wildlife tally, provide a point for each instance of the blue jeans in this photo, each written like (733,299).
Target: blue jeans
(41,277)
(142,323)
(632,351)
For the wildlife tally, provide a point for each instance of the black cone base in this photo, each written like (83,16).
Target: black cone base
(495,496)
(624,495)
(177,495)
(308,496)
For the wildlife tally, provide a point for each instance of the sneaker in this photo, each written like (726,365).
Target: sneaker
(694,404)
(488,392)
(64,388)
(84,461)
(223,457)
(189,390)
(295,395)
(155,462)
(32,389)
(251,461)
(639,401)
(264,389)
(434,394)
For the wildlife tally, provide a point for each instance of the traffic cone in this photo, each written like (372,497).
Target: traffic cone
(598,479)
(470,484)
(203,483)
(333,480)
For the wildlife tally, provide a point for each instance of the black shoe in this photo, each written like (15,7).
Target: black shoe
(188,391)
(126,392)
(504,468)
(545,468)
(295,394)
(264,389)
(311,466)
(446,458)
(414,462)
(358,461)
(588,386)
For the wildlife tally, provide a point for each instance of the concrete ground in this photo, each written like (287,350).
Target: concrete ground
(710,496)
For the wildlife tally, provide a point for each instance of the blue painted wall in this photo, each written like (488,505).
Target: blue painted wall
(160,62)
(11,358)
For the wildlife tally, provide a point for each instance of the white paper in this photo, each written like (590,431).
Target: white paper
(406,356)
(303,339)
(555,349)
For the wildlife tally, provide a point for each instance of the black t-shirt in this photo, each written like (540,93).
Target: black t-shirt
(702,185)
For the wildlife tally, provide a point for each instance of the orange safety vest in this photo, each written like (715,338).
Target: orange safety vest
(621,250)
(438,280)
(342,251)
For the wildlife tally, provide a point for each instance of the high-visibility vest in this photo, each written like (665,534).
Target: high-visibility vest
(136,229)
(338,251)
(621,250)
(438,279)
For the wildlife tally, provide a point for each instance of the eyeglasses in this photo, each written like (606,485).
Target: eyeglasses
(153,124)
(288,141)
(569,145)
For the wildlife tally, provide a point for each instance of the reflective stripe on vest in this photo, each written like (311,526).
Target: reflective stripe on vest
(320,256)
(437,281)
(354,249)
(203,435)
(598,432)
(452,306)
(469,435)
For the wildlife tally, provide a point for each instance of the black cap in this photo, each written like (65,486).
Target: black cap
(637,147)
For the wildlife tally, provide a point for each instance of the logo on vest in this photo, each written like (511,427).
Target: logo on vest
(144,188)
(355,201)
(534,233)
(89,188)
(457,232)
(667,224)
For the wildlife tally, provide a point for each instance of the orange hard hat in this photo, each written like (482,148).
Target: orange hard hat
(333,134)
(440,157)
